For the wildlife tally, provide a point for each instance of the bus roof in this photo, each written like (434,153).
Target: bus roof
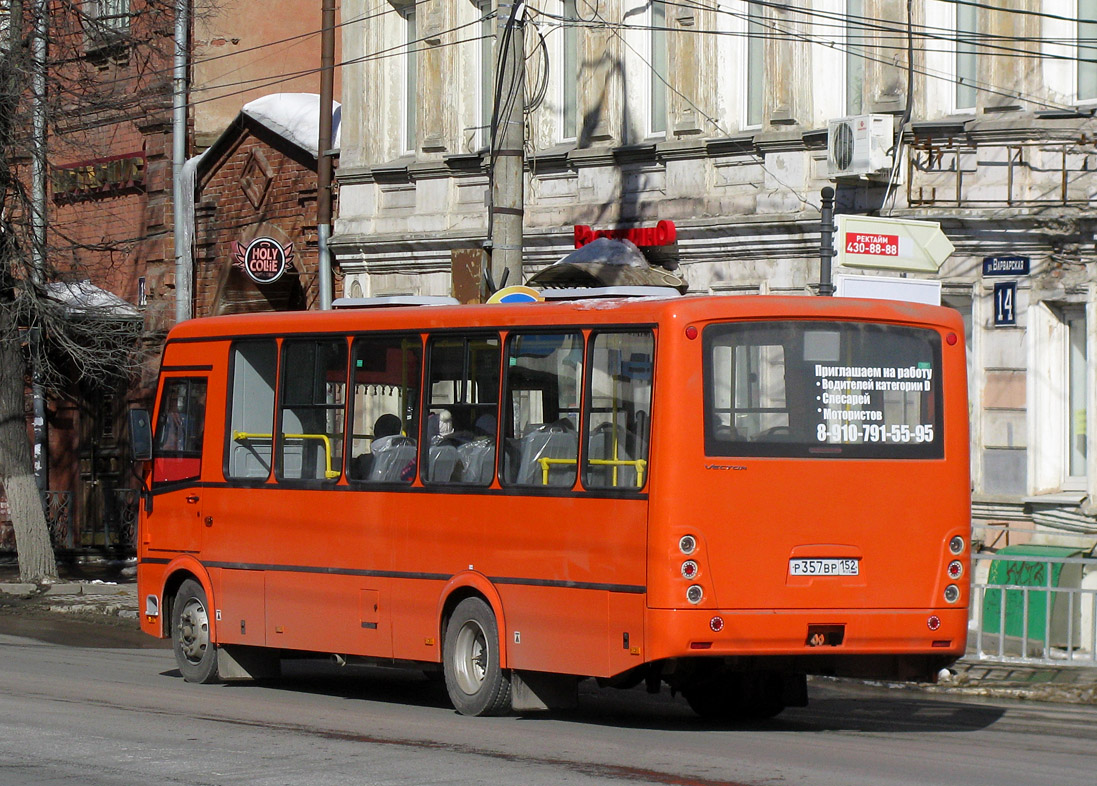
(593,311)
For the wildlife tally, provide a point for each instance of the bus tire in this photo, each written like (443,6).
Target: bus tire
(195,652)
(476,683)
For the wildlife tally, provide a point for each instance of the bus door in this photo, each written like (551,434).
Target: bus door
(175,522)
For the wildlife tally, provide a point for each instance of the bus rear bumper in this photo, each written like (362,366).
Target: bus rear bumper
(860,642)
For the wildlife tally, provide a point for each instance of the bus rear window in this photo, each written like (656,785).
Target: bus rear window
(834,390)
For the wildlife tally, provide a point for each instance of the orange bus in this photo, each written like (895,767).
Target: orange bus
(723,494)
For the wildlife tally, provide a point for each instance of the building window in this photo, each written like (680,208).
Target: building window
(754,72)
(1059,412)
(411,77)
(569,72)
(657,104)
(106,22)
(485,63)
(1087,50)
(967,31)
(856,35)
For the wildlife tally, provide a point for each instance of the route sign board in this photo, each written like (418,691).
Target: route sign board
(891,244)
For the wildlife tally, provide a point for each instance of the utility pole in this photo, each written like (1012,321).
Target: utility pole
(508,141)
(323,152)
(184,277)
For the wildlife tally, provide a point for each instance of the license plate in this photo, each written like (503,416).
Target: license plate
(824,567)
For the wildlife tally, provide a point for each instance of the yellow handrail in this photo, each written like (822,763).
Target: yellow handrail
(329,473)
(638,464)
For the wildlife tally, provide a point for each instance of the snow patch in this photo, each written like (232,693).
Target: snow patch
(294,116)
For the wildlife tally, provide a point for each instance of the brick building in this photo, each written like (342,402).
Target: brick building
(256,187)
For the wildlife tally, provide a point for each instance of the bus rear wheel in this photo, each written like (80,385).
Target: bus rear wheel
(195,652)
(476,683)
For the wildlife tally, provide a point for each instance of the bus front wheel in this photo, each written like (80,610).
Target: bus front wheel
(195,652)
(476,683)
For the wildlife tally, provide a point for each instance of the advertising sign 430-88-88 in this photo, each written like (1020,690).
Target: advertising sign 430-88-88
(264,259)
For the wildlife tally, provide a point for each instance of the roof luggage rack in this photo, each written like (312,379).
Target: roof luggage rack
(394,300)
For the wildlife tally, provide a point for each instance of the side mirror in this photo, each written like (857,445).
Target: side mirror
(140,435)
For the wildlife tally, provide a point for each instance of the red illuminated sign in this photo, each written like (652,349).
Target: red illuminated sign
(662,234)
(264,260)
(874,245)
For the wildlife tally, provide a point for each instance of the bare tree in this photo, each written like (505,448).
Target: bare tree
(46,291)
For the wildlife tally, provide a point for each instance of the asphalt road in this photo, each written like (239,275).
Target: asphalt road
(78,708)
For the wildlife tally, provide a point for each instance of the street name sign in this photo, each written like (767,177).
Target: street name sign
(891,244)
(1006,266)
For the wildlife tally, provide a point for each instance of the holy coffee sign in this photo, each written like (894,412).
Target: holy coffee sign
(264,259)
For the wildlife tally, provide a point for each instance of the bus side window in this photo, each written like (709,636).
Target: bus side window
(544,373)
(251,410)
(384,408)
(180,424)
(462,410)
(310,442)
(619,406)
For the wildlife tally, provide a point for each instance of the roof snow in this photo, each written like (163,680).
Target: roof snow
(295,117)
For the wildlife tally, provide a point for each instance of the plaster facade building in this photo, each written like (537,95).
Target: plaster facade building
(716,116)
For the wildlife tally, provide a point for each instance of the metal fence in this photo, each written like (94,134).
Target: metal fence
(1033,609)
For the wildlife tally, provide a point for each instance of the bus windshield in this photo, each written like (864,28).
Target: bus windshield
(841,390)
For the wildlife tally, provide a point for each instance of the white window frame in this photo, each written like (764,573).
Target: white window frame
(750,78)
(957,53)
(1050,418)
(854,53)
(658,48)
(567,87)
(409,79)
(107,22)
(1078,52)
(485,73)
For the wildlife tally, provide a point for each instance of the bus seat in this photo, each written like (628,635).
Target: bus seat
(555,441)
(441,462)
(390,461)
(477,461)
(601,448)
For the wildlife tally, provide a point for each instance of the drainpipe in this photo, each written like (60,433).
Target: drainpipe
(323,153)
(184,281)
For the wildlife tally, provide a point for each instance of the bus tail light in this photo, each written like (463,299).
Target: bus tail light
(955,569)
(716,624)
(956,545)
(687,544)
(689,569)
(695,594)
(934,622)
(952,593)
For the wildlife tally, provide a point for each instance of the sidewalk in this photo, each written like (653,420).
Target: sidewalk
(968,677)
(110,599)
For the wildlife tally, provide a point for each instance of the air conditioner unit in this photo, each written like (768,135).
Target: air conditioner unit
(858,146)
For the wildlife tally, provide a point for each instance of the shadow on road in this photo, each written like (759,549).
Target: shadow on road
(834,706)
